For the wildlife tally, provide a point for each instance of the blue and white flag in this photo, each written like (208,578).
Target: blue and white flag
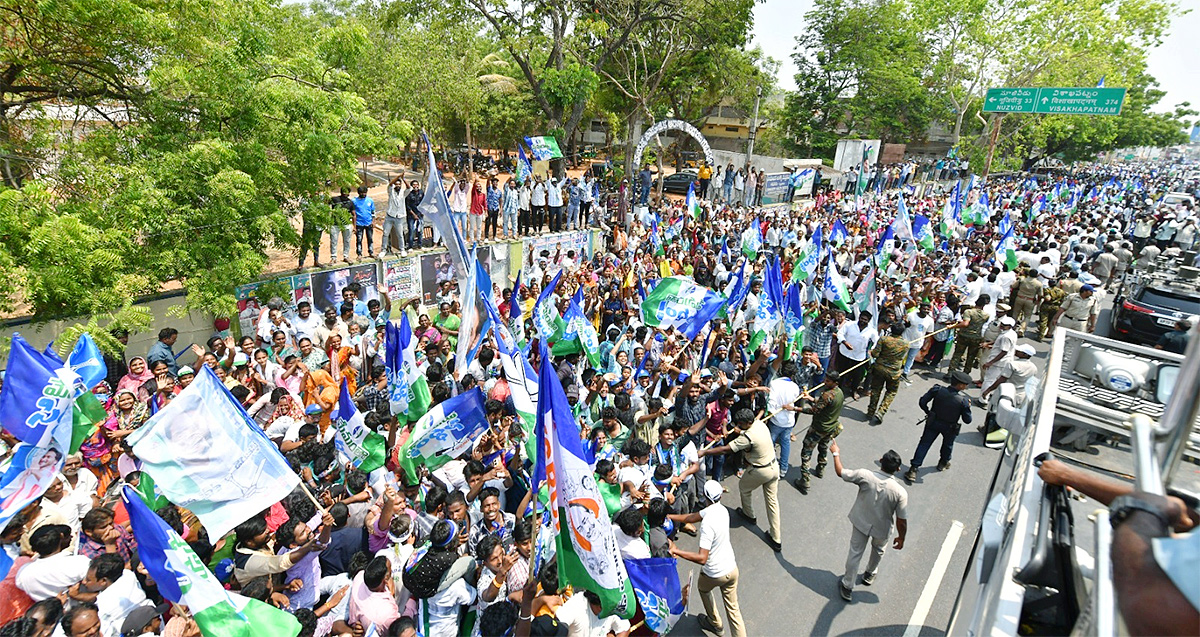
(524,168)
(38,397)
(883,249)
(448,430)
(522,381)
(358,445)
(752,239)
(183,579)
(838,233)
(810,258)
(656,585)
(793,314)
(207,456)
(475,318)
(736,290)
(436,209)
(543,147)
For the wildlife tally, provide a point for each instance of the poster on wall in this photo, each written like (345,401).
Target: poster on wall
(402,278)
(435,268)
(579,242)
(327,286)
(250,306)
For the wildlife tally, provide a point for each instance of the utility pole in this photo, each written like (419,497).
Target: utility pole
(753,129)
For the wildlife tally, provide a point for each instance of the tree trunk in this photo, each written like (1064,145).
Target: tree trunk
(635,133)
(470,146)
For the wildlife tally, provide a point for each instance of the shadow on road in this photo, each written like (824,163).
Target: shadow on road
(891,631)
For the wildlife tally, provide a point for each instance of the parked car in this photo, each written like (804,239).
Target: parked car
(677,183)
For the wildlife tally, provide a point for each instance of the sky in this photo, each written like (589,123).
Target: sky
(777,22)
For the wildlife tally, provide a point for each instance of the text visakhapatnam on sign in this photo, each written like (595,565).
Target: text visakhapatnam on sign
(1055,101)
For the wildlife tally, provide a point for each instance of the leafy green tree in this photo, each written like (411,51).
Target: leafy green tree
(212,129)
(859,72)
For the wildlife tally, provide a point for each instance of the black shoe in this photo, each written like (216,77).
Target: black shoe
(818,472)
(749,518)
(844,591)
(868,578)
(874,421)
(800,485)
(775,546)
(911,475)
(707,625)
(942,466)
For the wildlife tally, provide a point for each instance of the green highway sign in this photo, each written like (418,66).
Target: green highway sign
(1057,101)
(1010,100)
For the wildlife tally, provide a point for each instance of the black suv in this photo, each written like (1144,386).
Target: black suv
(1151,309)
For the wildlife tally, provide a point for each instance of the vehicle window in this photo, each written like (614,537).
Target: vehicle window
(1172,301)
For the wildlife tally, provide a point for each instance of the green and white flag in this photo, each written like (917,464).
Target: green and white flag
(681,303)
(752,240)
(183,579)
(578,333)
(543,147)
(835,287)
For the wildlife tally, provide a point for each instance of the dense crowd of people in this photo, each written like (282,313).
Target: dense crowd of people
(667,421)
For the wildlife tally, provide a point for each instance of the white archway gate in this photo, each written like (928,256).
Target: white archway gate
(666,125)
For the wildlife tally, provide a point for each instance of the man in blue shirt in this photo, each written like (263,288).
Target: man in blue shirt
(364,216)
(161,350)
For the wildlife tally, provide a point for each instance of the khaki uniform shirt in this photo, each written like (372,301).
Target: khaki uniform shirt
(1077,308)
(756,442)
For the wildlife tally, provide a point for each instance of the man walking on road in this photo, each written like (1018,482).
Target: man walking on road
(762,470)
(880,499)
(718,565)
(941,419)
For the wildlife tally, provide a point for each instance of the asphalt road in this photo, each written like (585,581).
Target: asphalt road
(795,592)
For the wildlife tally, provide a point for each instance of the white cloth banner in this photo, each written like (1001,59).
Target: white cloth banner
(206,455)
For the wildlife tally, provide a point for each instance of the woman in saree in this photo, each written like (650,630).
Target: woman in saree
(103,448)
(139,374)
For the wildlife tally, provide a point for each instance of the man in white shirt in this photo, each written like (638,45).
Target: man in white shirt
(782,395)
(55,570)
(581,614)
(920,323)
(855,340)
(628,526)
(117,591)
(305,323)
(880,498)
(718,564)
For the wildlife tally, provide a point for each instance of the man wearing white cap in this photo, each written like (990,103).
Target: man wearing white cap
(1002,351)
(718,565)
(1016,370)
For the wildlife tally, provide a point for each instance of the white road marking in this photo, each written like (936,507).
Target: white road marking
(925,602)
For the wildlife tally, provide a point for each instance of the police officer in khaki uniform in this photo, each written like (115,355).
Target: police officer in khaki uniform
(1052,298)
(1078,311)
(762,470)
(826,425)
(889,356)
(1029,292)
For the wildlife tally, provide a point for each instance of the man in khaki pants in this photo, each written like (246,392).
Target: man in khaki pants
(762,470)
(719,567)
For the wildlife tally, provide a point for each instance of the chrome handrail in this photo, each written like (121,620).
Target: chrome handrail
(1180,414)
(1104,603)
